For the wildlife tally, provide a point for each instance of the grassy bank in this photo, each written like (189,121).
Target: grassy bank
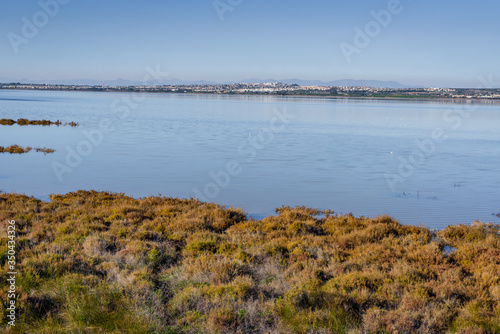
(91,262)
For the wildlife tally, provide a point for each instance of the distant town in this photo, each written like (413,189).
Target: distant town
(276,88)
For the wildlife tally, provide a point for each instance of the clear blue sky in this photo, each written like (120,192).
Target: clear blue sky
(433,43)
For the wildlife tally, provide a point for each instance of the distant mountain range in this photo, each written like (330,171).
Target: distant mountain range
(345,82)
(125,82)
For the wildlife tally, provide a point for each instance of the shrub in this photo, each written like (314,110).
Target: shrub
(107,263)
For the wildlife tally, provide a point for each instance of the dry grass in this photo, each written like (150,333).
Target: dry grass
(95,262)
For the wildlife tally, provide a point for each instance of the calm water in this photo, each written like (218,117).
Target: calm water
(422,162)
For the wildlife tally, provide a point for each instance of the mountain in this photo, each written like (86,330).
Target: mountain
(116,82)
(368,83)
(345,82)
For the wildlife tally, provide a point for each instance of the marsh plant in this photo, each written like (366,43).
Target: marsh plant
(97,262)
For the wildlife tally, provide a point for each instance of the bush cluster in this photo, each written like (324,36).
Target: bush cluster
(97,262)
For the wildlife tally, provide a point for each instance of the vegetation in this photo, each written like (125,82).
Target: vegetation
(15,149)
(96,262)
(23,122)
(44,150)
(4,121)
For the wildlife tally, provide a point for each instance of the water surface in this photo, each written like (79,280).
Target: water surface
(422,162)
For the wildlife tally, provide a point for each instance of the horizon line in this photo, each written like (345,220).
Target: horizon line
(19,83)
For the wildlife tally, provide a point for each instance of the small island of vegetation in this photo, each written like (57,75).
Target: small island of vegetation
(16,149)
(24,122)
(97,262)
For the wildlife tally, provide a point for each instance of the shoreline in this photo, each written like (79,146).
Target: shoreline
(256,216)
(326,97)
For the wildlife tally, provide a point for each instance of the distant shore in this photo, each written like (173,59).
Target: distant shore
(282,90)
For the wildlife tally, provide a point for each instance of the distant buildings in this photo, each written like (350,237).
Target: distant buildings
(276,88)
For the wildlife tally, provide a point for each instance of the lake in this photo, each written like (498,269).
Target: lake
(431,163)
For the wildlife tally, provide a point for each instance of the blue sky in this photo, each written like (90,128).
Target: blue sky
(431,43)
